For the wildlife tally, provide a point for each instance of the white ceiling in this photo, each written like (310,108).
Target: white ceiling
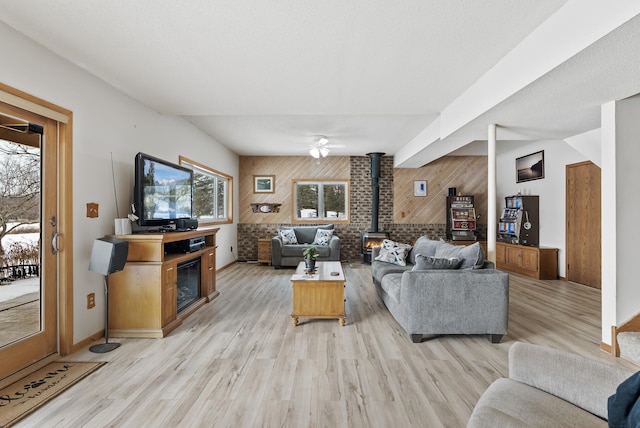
(267,77)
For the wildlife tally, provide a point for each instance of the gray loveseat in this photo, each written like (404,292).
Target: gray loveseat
(291,254)
(471,299)
(548,388)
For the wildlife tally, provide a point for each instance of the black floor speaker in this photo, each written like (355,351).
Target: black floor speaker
(108,255)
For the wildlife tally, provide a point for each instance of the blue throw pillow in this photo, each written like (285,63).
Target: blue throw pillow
(623,407)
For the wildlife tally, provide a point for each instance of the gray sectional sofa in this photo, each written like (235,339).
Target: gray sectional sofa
(548,388)
(291,254)
(471,299)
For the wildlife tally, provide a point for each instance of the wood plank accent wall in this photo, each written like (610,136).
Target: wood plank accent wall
(285,169)
(466,173)
(422,215)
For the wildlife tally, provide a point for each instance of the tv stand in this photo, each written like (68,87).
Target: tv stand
(143,296)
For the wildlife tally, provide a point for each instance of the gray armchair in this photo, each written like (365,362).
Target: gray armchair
(291,254)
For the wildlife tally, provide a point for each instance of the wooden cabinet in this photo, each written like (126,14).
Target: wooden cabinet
(264,250)
(535,262)
(143,296)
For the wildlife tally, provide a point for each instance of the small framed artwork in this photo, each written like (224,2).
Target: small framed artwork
(264,183)
(420,188)
(530,167)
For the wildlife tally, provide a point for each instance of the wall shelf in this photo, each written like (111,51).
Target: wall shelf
(265,208)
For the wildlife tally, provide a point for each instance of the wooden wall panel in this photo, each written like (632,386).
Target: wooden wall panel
(285,169)
(467,173)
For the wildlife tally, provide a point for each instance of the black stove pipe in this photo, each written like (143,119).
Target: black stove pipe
(375,188)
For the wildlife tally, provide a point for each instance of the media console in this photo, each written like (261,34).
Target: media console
(147,298)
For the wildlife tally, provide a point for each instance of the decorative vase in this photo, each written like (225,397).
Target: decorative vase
(310,264)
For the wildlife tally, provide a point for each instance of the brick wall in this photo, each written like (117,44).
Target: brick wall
(360,204)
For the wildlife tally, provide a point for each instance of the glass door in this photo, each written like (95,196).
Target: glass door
(28,219)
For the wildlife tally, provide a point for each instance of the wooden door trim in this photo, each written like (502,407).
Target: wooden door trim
(65,217)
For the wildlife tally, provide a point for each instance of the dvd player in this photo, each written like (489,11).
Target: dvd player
(185,246)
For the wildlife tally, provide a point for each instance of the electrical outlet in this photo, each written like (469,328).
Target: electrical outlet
(91,300)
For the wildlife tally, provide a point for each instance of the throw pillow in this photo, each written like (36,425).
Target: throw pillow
(472,255)
(323,236)
(432,262)
(288,236)
(393,252)
(424,246)
(624,406)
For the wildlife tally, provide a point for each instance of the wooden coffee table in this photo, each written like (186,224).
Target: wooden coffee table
(320,295)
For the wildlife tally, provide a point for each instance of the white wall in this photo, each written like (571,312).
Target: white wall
(620,176)
(107,122)
(551,189)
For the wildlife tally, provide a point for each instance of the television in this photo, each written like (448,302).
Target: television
(163,191)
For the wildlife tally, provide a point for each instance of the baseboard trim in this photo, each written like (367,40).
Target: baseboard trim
(228,265)
(88,341)
(606,348)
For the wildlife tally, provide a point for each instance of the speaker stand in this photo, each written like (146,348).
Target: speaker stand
(103,348)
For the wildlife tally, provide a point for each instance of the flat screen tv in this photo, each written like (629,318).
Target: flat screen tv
(163,191)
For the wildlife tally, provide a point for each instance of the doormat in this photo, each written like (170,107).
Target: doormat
(32,391)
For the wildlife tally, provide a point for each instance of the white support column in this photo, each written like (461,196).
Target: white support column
(491,194)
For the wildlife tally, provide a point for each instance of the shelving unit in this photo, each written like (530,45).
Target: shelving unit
(143,297)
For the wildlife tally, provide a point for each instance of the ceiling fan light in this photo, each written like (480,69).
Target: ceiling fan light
(315,152)
(322,141)
(324,152)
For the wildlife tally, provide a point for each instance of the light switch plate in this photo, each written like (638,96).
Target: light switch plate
(92,210)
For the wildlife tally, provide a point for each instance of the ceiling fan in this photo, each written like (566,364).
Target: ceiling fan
(320,147)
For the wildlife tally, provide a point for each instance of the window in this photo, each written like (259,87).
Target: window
(321,200)
(212,192)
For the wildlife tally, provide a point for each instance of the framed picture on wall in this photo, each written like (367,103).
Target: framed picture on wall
(264,183)
(420,188)
(530,167)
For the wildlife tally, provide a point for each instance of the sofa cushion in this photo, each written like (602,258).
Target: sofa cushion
(391,285)
(323,236)
(472,256)
(431,262)
(393,252)
(508,403)
(296,250)
(424,246)
(288,236)
(380,269)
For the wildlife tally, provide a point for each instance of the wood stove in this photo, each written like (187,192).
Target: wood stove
(369,241)
(373,238)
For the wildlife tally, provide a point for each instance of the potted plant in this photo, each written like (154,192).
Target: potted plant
(310,254)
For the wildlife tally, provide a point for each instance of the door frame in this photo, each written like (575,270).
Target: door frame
(64,119)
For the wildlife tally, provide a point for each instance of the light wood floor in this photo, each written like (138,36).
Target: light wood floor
(238,361)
